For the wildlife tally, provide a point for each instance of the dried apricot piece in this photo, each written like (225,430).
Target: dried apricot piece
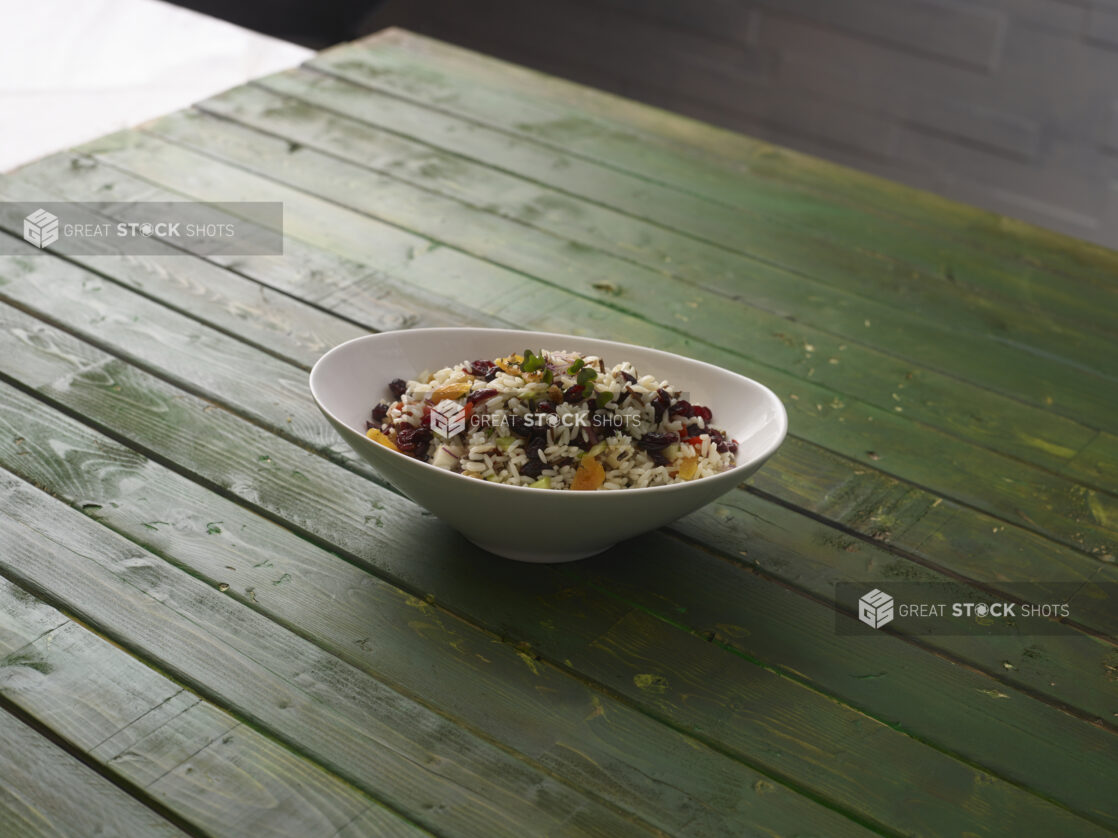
(453,390)
(511,364)
(376,435)
(590,475)
(688,467)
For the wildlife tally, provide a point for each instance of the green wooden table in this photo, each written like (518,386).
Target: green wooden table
(215,621)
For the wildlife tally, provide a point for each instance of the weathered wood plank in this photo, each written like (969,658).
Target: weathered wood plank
(274,322)
(432,770)
(964,553)
(714,163)
(842,365)
(1002,486)
(168,425)
(660,147)
(1097,463)
(310,274)
(46,792)
(804,484)
(944,534)
(833,288)
(894,512)
(556,721)
(198,761)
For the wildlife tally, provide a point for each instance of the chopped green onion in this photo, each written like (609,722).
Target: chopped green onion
(596,449)
(503,442)
(576,366)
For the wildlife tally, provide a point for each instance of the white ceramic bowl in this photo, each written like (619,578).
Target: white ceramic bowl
(539,525)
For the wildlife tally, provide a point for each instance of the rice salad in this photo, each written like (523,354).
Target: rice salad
(552,420)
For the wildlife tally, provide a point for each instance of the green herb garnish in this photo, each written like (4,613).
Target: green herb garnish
(586,375)
(532,362)
(604,398)
(576,366)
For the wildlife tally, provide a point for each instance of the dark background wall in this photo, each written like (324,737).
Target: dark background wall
(1011,105)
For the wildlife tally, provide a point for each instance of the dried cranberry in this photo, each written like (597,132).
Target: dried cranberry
(518,425)
(658,456)
(545,407)
(481,369)
(532,468)
(535,446)
(715,435)
(574,394)
(411,440)
(721,447)
(694,430)
(660,404)
(379,412)
(680,408)
(700,412)
(397,386)
(478,396)
(369,425)
(656,441)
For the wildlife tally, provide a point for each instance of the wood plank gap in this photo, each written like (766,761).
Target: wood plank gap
(139,794)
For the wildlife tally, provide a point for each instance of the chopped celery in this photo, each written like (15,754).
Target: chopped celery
(542,483)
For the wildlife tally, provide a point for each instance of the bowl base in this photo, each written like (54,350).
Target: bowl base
(537,556)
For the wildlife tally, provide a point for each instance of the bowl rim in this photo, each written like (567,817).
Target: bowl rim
(781,412)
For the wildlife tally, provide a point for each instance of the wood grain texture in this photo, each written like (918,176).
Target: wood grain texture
(349,531)
(276,323)
(692,155)
(316,276)
(288,659)
(434,771)
(46,792)
(1044,271)
(553,719)
(1003,363)
(870,522)
(873,521)
(852,268)
(1003,486)
(724,319)
(215,773)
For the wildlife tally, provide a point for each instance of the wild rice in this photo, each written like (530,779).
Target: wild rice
(553,419)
